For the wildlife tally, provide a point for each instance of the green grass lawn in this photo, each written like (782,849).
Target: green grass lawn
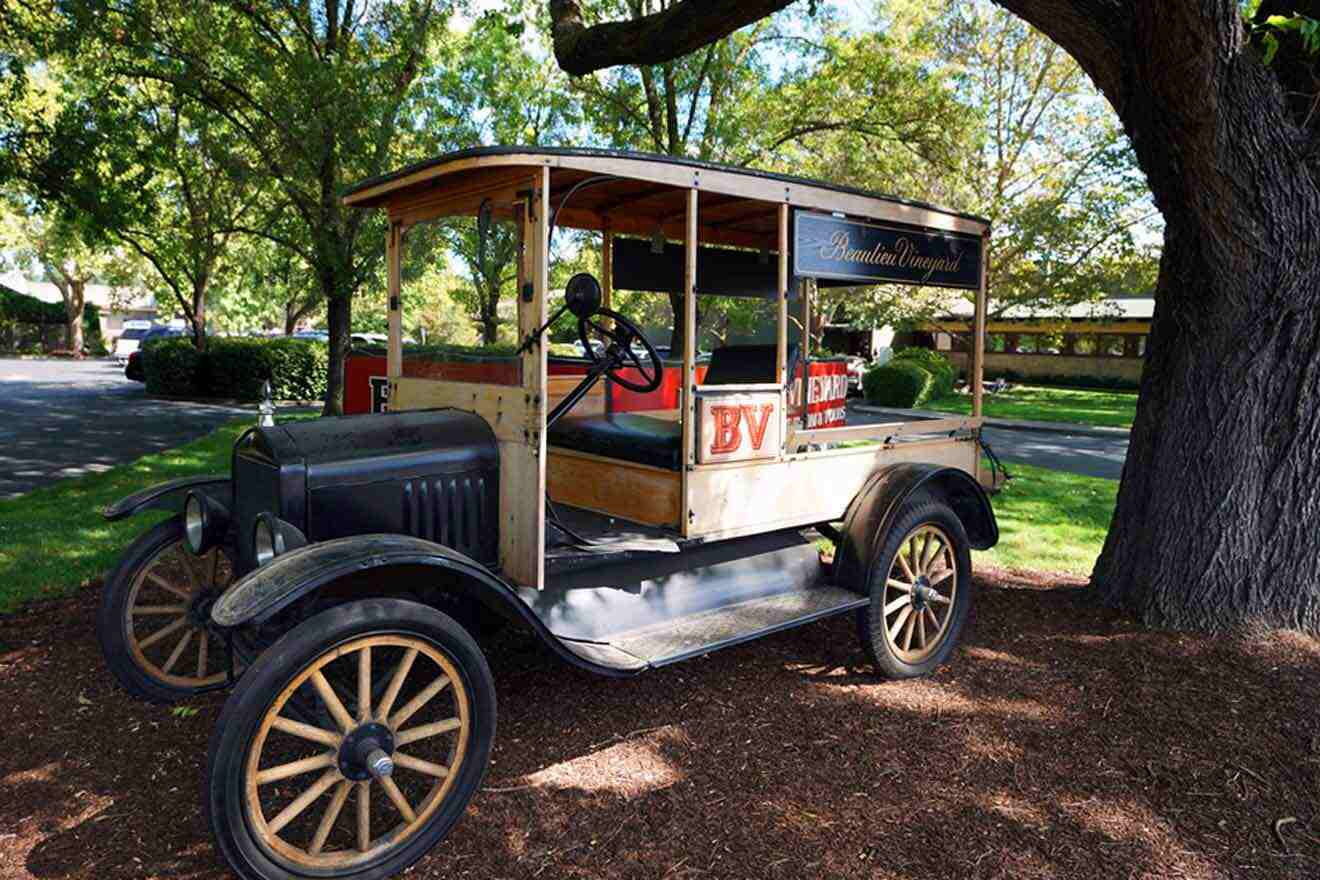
(1051,520)
(54,540)
(1036,403)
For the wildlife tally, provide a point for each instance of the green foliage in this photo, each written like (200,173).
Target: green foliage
(940,367)
(22,309)
(1305,27)
(903,385)
(171,367)
(235,368)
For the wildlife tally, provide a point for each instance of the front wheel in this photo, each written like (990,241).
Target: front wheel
(151,624)
(920,591)
(352,745)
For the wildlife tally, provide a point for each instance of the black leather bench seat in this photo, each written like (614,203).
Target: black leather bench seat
(625,436)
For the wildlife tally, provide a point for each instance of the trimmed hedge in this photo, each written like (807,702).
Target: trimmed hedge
(236,368)
(24,309)
(939,367)
(1095,383)
(901,384)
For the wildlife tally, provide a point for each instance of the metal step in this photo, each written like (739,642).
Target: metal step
(690,605)
(697,634)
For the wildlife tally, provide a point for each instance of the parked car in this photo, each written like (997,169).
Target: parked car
(130,339)
(133,364)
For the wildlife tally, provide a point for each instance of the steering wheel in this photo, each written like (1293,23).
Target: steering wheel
(619,351)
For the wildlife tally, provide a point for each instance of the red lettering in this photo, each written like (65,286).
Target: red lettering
(728,433)
(757,428)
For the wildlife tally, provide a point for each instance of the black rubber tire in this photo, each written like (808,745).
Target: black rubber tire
(916,513)
(112,614)
(284,660)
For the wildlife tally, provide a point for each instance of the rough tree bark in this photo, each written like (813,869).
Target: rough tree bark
(1216,518)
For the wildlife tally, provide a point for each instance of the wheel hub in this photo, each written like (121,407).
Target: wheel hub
(366,752)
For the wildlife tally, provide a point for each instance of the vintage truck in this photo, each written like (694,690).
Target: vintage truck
(338,577)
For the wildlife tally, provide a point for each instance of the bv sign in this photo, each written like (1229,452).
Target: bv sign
(738,427)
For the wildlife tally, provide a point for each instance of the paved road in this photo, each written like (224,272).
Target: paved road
(67,418)
(1076,453)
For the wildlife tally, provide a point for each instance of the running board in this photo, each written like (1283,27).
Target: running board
(698,634)
(682,614)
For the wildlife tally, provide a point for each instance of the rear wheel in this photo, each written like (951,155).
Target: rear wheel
(353,744)
(151,623)
(920,591)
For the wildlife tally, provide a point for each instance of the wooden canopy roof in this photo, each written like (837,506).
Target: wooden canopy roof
(736,206)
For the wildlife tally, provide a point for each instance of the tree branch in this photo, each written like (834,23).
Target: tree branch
(652,39)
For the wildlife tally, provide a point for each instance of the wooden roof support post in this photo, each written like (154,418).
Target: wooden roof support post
(781,317)
(689,399)
(807,288)
(978,330)
(394,273)
(607,267)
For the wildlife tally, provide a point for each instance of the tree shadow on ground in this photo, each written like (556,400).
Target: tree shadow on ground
(1063,741)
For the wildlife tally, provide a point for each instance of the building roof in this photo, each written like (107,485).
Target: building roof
(1117,308)
(99,295)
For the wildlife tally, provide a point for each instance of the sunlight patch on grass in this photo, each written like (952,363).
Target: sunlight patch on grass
(54,540)
(1051,520)
(1035,403)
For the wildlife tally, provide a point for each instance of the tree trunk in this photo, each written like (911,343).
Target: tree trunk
(339,324)
(680,319)
(1215,522)
(73,310)
(198,317)
(490,317)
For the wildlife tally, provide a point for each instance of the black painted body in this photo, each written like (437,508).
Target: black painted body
(433,474)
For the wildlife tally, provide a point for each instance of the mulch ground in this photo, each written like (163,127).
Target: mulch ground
(1062,741)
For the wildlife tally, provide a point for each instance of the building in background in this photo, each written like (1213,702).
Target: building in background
(116,305)
(1105,340)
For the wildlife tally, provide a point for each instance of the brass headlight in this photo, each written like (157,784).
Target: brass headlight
(272,536)
(204,522)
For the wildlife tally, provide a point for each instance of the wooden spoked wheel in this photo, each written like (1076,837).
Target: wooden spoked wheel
(391,723)
(920,594)
(164,616)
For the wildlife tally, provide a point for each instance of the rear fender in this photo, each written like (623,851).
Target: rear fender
(170,496)
(262,593)
(875,508)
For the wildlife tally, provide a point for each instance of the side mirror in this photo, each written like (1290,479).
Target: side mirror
(582,295)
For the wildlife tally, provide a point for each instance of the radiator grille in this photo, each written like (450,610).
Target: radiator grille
(457,511)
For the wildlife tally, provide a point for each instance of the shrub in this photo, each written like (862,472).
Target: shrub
(1097,383)
(171,366)
(940,367)
(901,384)
(236,368)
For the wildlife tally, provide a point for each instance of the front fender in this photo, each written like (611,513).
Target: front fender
(263,592)
(170,494)
(881,499)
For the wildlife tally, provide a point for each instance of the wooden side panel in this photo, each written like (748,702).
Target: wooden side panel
(502,406)
(619,488)
(728,501)
(591,405)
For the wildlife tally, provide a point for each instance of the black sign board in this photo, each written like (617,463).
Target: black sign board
(720,271)
(832,247)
